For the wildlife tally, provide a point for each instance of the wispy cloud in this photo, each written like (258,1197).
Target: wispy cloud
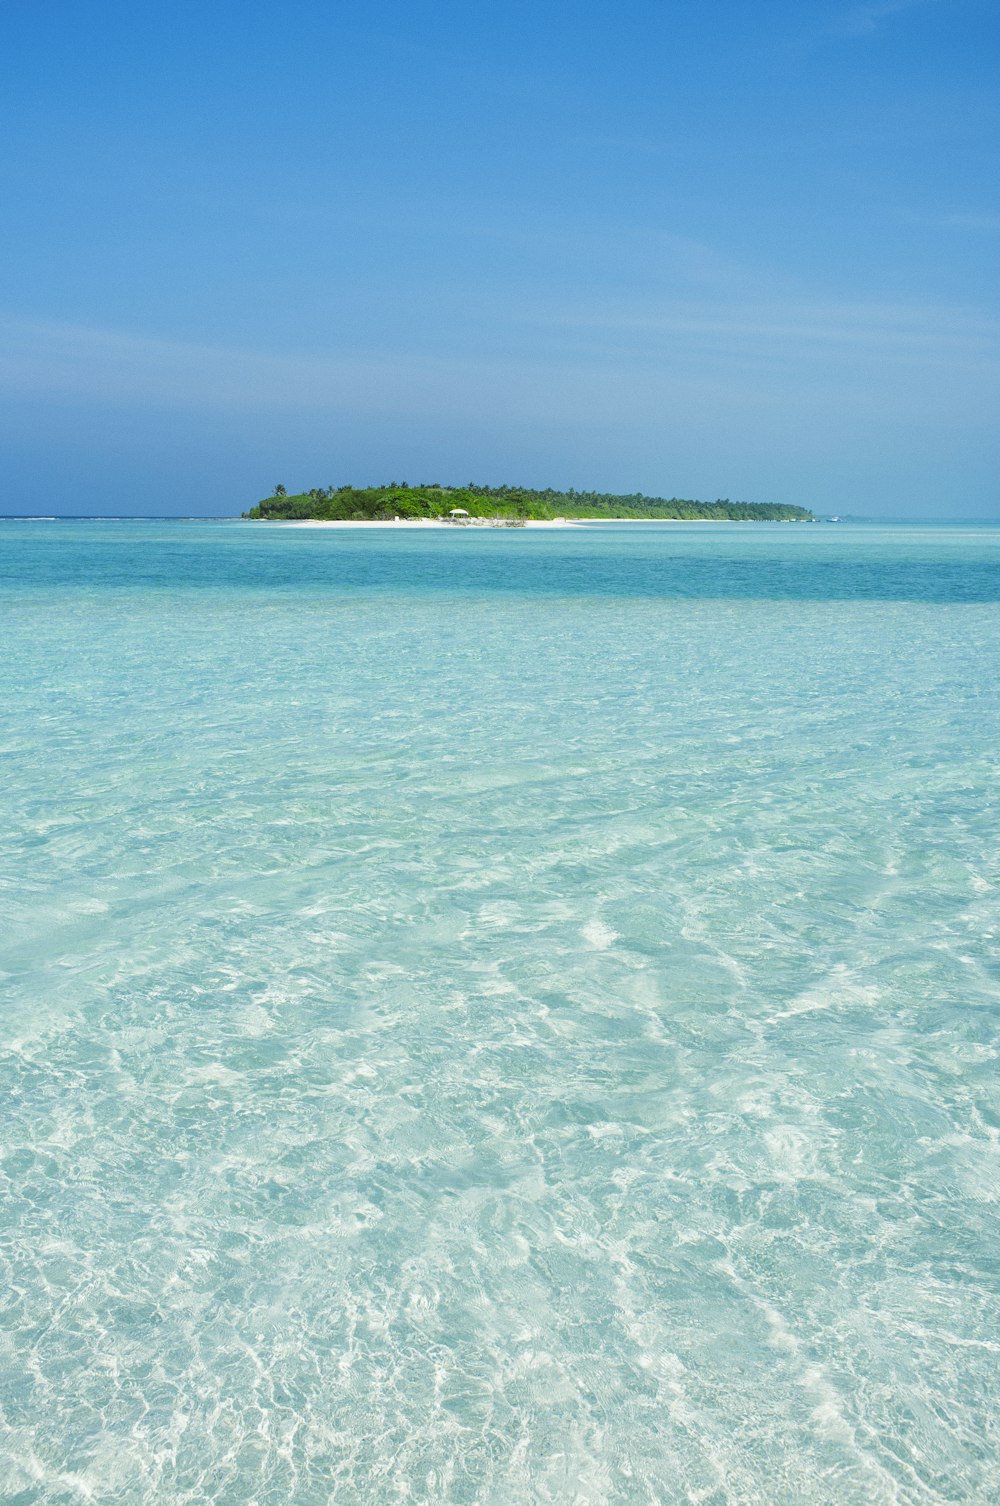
(887,329)
(990,223)
(865,20)
(613,363)
(120,367)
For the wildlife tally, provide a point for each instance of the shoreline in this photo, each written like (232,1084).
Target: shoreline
(413,523)
(485,522)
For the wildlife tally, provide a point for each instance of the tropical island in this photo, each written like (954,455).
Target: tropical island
(512,505)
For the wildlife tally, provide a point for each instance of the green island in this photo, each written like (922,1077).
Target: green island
(512,505)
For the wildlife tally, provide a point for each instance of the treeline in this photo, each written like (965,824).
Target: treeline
(430,500)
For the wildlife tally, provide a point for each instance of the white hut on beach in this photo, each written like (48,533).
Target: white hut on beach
(458,512)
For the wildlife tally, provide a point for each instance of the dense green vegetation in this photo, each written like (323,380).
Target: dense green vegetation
(398,500)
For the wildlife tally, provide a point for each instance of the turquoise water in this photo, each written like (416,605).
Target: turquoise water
(499,1017)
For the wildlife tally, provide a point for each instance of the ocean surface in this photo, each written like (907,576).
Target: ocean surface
(499,1018)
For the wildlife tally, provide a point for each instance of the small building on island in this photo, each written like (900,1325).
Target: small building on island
(458,512)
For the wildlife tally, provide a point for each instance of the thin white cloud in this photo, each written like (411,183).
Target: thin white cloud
(885,332)
(865,20)
(79,361)
(624,365)
(970,221)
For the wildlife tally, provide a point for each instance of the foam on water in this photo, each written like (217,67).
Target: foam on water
(500,1018)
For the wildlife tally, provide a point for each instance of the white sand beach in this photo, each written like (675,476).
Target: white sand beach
(416,523)
(482,522)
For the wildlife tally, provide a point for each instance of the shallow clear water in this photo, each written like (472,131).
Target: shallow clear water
(499,1018)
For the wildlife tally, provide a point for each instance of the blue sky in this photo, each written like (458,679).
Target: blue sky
(737,249)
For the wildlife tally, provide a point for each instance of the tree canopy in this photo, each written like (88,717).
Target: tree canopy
(431,500)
